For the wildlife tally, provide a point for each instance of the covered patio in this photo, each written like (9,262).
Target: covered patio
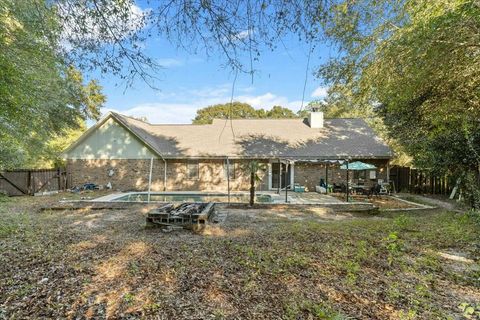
(306,198)
(325,175)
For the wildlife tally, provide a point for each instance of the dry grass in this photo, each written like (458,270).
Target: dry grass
(381,201)
(255,264)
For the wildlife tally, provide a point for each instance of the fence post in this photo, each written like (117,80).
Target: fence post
(29,182)
(59,179)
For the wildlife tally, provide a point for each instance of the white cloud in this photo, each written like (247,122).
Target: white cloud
(170,62)
(320,92)
(161,112)
(240,36)
(219,91)
(173,108)
(243,34)
(266,101)
(79,25)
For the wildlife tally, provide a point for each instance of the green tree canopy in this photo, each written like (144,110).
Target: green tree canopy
(418,64)
(278,112)
(41,96)
(239,110)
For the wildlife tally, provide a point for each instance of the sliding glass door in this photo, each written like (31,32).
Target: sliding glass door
(278,175)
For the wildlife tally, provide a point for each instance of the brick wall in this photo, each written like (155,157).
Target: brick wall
(132,174)
(309,174)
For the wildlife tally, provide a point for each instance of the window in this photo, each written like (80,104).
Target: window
(192,170)
(230,169)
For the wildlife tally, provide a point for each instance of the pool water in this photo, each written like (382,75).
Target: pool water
(240,198)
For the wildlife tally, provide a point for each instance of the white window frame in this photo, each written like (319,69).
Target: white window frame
(292,173)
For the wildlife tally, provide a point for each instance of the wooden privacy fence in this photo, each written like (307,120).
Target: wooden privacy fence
(30,181)
(406,179)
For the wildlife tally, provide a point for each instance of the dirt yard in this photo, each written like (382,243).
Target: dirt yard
(253,264)
(382,201)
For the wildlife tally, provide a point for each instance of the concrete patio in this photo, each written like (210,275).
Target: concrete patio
(304,198)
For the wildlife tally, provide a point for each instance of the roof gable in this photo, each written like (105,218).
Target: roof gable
(109,139)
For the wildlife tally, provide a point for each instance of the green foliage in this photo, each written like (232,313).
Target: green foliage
(352,268)
(394,292)
(363,251)
(51,155)
(470,311)
(309,309)
(236,110)
(407,315)
(474,217)
(239,110)
(402,222)
(3,197)
(41,96)
(343,101)
(133,268)
(278,112)
(13,225)
(129,298)
(394,247)
(416,64)
(428,262)
(253,167)
(472,189)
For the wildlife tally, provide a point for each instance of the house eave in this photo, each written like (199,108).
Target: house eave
(268,157)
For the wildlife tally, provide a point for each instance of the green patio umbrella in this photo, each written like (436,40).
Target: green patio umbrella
(357,166)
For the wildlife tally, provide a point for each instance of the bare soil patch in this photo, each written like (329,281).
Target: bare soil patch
(381,201)
(254,264)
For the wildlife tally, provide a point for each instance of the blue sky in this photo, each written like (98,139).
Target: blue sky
(192,81)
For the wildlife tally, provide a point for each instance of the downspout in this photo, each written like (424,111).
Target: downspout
(150,179)
(279,176)
(164,172)
(326,177)
(348,187)
(228,180)
(164,175)
(286,186)
(388,172)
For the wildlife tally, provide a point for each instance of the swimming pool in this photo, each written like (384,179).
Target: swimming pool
(191,197)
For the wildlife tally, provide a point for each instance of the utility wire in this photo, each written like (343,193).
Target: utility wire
(230,108)
(306,76)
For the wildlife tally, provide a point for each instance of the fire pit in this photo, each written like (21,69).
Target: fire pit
(188,215)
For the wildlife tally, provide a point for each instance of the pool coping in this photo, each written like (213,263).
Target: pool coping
(113,196)
(276,198)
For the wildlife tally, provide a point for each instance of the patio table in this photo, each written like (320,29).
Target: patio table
(358,189)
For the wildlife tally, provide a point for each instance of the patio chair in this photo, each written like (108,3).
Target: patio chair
(339,188)
(384,189)
(375,190)
(322,183)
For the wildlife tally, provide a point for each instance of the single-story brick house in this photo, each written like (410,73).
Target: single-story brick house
(119,149)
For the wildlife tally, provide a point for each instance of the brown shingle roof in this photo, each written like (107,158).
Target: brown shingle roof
(261,138)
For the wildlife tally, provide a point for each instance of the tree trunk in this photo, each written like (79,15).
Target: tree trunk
(252,188)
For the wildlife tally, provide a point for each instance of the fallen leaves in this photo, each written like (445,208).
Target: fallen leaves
(254,264)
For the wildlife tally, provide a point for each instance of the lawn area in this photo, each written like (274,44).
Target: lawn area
(255,264)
